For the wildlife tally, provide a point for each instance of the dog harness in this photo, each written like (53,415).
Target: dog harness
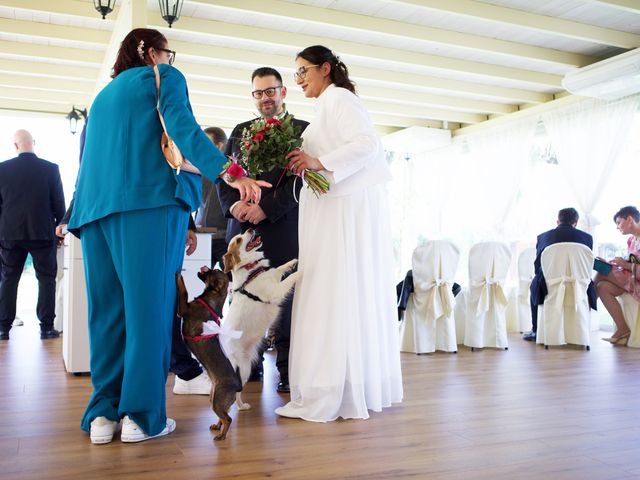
(251,277)
(216,319)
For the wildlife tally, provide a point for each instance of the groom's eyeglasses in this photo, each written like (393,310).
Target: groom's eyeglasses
(269,92)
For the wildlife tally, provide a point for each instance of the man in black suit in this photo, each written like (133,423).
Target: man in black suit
(275,218)
(566,231)
(31,204)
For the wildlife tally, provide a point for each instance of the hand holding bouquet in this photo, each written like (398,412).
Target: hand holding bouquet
(265,144)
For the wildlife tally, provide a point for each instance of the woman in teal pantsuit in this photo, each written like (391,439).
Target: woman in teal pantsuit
(131,213)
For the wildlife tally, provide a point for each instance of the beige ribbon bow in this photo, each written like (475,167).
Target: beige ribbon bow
(437,296)
(489,287)
(558,296)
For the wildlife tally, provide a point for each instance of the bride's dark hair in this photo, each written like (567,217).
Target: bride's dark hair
(339,73)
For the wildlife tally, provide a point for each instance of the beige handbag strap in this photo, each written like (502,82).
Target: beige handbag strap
(157,72)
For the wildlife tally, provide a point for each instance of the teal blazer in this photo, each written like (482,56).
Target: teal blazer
(123,167)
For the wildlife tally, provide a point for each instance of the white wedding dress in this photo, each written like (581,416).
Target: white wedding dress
(344,358)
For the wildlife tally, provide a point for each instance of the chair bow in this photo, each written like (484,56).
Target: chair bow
(436,296)
(489,287)
(558,296)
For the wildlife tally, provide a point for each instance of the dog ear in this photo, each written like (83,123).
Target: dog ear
(227,260)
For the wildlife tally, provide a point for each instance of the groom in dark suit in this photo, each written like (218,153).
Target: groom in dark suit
(566,231)
(31,204)
(275,218)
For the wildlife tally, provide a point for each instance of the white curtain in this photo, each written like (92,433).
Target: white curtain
(499,158)
(587,138)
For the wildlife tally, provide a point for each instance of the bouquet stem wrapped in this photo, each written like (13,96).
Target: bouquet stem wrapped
(316,182)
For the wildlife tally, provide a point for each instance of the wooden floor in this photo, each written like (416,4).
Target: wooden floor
(525,413)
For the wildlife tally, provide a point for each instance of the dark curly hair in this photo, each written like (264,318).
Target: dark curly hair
(128,55)
(625,212)
(339,73)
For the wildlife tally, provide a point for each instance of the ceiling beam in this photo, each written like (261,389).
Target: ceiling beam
(53,31)
(401,30)
(37,50)
(64,98)
(42,69)
(75,8)
(38,107)
(631,6)
(530,21)
(46,84)
(254,59)
(262,36)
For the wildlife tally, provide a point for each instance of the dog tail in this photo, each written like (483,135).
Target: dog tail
(238,380)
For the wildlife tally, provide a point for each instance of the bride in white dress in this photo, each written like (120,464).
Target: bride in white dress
(344,358)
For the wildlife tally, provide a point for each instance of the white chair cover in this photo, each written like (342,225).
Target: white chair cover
(565,317)
(485,316)
(525,275)
(631,310)
(428,321)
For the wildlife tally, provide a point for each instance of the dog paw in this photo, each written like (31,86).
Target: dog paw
(222,436)
(215,426)
(244,406)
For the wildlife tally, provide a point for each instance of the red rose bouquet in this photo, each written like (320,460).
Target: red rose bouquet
(264,145)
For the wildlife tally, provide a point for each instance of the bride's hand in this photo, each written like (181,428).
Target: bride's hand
(299,161)
(249,188)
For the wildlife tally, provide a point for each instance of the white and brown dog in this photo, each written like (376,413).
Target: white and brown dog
(258,292)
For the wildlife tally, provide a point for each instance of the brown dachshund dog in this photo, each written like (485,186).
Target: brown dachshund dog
(206,346)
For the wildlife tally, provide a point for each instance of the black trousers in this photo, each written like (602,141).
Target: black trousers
(182,363)
(13,255)
(218,249)
(282,340)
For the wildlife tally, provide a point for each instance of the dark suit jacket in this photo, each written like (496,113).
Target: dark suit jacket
(562,233)
(279,231)
(31,198)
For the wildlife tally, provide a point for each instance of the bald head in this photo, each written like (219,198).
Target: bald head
(23,141)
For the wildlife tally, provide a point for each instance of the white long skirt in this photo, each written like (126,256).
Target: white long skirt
(344,358)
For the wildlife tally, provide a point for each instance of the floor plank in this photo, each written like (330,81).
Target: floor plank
(523,413)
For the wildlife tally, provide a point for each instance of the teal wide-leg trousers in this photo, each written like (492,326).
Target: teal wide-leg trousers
(130,261)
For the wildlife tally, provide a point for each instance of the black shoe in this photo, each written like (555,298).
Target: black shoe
(529,336)
(45,334)
(256,376)
(4,334)
(283,387)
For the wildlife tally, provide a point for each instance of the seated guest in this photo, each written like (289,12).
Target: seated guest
(566,231)
(621,278)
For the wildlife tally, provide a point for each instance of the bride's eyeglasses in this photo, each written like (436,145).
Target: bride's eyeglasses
(172,54)
(301,73)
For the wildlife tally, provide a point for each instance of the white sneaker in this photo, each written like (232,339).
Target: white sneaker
(17,322)
(201,385)
(132,433)
(102,430)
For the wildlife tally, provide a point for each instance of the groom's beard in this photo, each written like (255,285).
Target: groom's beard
(270,108)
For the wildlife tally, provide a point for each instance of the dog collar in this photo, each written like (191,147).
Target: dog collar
(216,319)
(249,266)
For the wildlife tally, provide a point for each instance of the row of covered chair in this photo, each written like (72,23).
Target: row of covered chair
(435,320)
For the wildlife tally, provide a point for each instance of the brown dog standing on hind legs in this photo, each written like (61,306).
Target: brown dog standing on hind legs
(203,339)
